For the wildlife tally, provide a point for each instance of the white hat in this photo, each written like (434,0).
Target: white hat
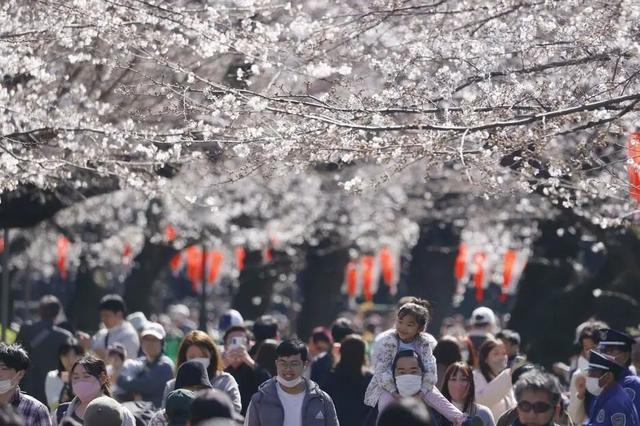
(154,329)
(179,309)
(229,319)
(483,316)
(138,320)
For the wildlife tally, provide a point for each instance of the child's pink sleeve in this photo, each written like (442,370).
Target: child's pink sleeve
(430,376)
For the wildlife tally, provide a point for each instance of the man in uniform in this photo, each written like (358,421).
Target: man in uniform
(612,406)
(618,345)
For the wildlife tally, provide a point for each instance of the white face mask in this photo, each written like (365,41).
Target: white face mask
(593,385)
(465,355)
(499,365)
(408,384)
(203,361)
(5,386)
(289,383)
(8,385)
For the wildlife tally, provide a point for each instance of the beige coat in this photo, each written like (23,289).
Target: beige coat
(497,394)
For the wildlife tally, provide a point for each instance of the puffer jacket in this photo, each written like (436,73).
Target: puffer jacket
(265,408)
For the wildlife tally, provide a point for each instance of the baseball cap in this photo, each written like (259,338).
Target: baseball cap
(103,411)
(179,309)
(154,329)
(230,319)
(178,406)
(213,404)
(482,316)
(138,320)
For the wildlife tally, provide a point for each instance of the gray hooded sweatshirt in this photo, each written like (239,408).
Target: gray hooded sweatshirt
(266,409)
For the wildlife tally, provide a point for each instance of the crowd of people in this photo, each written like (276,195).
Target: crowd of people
(250,373)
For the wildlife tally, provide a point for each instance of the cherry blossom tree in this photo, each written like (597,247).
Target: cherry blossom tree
(129,88)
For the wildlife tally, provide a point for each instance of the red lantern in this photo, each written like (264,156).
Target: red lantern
(351,275)
(170,233)
(63,251)
(459,269)
(509,260)
(240,254)
(633,152)
(479,260)
(214,261)
(194,266)
(267,254)
(367,263)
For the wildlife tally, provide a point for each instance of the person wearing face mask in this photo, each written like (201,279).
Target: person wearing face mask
(618,345)
(612,406)
(459,388)
(199,347)
(240,365)
(492,379)
(409,334)
(289,399)
(89,381)
(581,400)
(157,368)
(14,362)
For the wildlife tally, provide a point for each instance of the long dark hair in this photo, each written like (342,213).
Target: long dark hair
(266,356)
(70,345)
(203,341)
(447,351)
(352,356)
(483,354)
(96,368)
(468,374)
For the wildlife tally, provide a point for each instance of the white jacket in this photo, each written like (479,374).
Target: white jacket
(497,394)
(385,351)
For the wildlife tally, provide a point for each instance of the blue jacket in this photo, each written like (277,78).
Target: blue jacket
(149,382)
(631,385)
(613,407)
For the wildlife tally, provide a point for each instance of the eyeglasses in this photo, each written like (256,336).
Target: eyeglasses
(538,407)
(288,365)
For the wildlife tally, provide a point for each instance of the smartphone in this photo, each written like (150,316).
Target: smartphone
(237,342)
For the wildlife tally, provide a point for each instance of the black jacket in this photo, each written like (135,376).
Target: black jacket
(347,393)
(42,340)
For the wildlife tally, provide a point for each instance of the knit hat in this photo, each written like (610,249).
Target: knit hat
(103,411)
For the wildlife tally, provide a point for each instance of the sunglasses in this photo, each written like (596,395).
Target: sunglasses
(538,407)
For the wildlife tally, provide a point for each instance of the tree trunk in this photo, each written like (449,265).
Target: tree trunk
(83,311)
(320,283)
(431,270)
(148,265)
(255,289)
